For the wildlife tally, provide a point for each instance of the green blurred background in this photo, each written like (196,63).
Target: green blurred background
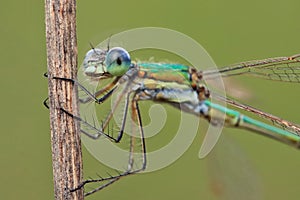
(231,31)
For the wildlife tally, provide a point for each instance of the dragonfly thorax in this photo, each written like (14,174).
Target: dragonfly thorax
(203,92)
(196,78)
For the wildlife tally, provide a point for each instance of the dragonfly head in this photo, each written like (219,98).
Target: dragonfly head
(94,64)
(101,64)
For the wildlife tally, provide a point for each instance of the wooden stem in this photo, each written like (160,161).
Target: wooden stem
(65,132)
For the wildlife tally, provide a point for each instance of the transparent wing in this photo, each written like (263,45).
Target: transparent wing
(285,69)
(231,174)
(282,123)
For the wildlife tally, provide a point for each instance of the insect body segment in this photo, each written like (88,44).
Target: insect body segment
(181,87)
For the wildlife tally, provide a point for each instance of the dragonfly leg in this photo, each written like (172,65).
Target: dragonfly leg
(98,132)
(46,102)
(124,94)
(136,117)
(108,90)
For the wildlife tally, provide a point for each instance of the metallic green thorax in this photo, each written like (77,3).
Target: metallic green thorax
(164,75)
(165,72)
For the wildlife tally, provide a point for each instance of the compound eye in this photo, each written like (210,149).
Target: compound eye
(117,61)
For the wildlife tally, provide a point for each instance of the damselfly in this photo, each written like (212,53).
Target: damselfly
(182,87)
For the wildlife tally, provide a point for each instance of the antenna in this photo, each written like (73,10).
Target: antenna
(108,42)
(92,47)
